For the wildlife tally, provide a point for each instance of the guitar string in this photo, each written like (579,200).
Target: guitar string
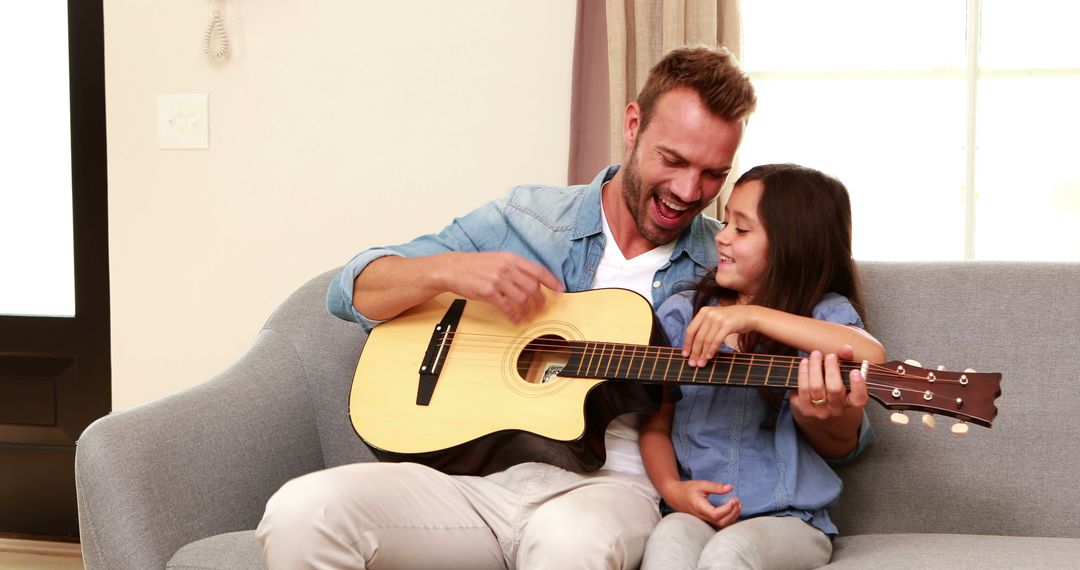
(498,343)
(561,347)
(745,360)
(756,362)
(756,379)
(538,344)
(753,377)
(736,359)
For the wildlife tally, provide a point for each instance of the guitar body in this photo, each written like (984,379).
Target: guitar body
(494,403)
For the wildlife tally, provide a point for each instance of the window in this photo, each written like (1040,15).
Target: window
(36,244)
(951,122)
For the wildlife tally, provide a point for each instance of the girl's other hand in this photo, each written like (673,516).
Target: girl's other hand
(692,497)
(709,328)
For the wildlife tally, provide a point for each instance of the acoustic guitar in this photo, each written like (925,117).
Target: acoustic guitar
(453,384)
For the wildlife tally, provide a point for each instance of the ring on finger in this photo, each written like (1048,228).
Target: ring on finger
(820,402)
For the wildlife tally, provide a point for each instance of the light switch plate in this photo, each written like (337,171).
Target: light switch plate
(183,120)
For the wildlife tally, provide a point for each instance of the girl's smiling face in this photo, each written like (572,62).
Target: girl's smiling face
(742,245)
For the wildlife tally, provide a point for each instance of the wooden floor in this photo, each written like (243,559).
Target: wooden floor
(21,554)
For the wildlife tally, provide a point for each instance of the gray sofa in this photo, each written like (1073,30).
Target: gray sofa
(181,482)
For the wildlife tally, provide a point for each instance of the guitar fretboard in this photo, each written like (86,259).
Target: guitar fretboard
(663,365)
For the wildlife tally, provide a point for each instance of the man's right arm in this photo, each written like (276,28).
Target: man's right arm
(380,283)
(391,285)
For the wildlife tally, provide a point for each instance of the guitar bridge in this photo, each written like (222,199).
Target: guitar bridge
(438,347)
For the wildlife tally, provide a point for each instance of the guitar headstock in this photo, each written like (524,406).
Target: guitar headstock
(967,396)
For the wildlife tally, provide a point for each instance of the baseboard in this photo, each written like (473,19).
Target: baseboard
(46,547)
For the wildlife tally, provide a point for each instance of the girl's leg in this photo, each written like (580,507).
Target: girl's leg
(676,543)
(765,543)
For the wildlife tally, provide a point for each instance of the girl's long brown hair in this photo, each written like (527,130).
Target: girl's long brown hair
(806,215)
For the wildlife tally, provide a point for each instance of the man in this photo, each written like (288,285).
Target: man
(638,227)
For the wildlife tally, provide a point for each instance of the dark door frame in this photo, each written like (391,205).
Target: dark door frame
(59,369)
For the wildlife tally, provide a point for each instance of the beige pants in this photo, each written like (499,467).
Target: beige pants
(404,515)
(685,542)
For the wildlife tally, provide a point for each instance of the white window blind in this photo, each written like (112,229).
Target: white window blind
(951,122)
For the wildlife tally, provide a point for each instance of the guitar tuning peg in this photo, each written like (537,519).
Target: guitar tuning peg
(959,429)
(913,362)
(899,418)
(929,421)
(969,370)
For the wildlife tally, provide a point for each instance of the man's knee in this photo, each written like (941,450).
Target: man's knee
(348,491)
(587,534)
(581,541)
(299,506)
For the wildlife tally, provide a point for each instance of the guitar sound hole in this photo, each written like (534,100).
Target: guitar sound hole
(542,359)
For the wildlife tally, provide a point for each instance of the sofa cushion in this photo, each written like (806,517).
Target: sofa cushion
(1018,478)
(221,552)
(953,551)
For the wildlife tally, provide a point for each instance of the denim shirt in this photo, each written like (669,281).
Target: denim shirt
(717,435)
(557,227)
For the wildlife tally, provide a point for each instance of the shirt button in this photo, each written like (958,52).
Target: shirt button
(656,284)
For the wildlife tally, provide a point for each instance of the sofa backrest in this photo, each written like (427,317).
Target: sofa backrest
(328,347)
(1020,319)
(1018,478)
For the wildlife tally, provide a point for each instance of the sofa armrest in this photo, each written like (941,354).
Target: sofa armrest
(195,464)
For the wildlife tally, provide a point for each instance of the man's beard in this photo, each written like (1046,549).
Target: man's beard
(632,193)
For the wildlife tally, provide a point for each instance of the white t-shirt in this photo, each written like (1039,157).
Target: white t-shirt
(637,274)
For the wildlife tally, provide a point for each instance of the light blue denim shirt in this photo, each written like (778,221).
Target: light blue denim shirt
(718,437)
(557,227)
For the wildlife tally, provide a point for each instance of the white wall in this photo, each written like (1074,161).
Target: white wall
(335,126)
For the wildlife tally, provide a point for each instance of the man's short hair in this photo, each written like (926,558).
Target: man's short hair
(713,74)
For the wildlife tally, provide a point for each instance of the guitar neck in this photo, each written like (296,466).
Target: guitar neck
(664,365)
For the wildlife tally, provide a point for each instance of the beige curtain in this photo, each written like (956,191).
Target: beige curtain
(617,42)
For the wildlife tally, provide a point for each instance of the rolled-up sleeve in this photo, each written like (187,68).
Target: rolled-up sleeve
(838,309)
(483,229)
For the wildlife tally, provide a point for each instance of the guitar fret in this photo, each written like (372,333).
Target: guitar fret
(644,355)
(655,361)
(787,381)
(712,370)
(749,367)
(619,365)
(768,371)
(592,355)
(667,365)
(730,369)
(623,369)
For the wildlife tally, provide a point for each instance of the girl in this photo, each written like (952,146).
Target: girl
(741,471)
